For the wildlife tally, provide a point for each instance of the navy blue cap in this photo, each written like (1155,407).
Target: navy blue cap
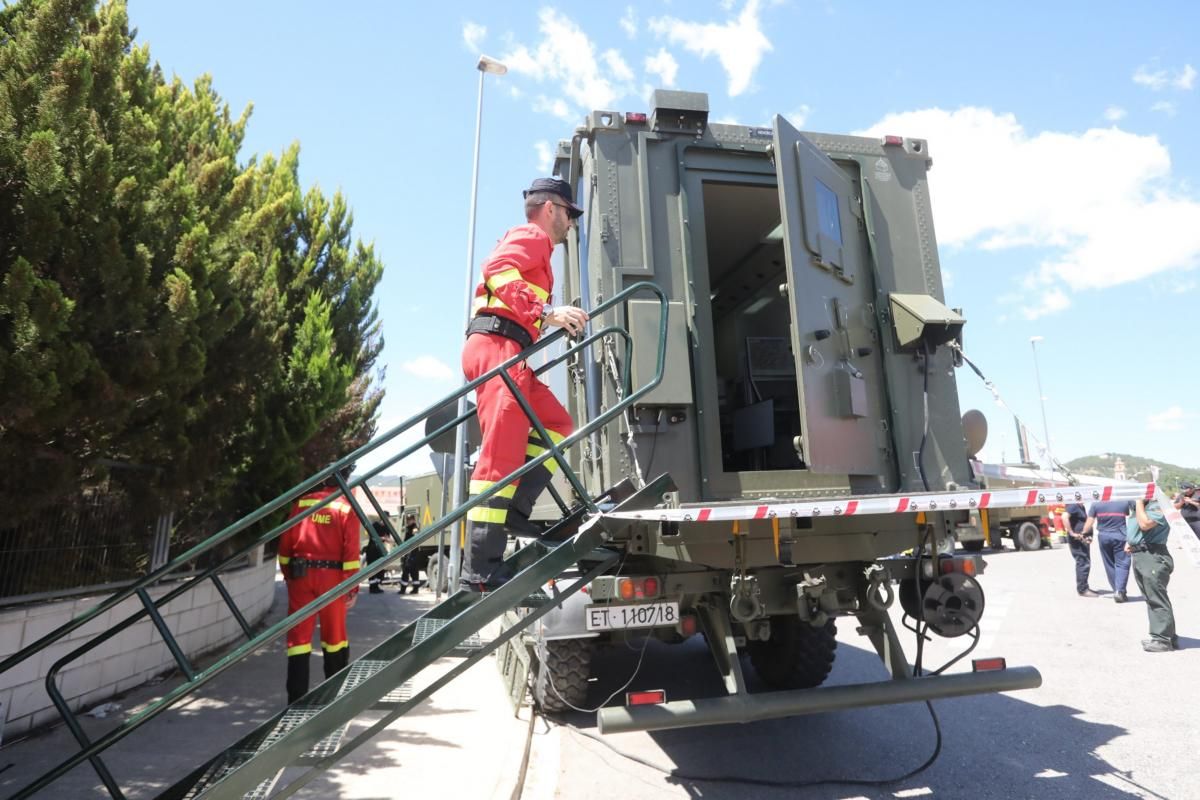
(558,187)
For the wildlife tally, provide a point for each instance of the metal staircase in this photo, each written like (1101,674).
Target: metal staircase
(310,732)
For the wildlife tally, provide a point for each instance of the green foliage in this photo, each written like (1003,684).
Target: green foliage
(162,303)
(1136,468)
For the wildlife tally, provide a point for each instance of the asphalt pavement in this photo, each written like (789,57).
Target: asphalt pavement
(1110,722)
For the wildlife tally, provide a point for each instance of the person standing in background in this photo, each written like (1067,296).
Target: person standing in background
(1081,547)
(1147,533)
(1108,518)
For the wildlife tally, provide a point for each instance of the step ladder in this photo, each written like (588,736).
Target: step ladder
(310,732)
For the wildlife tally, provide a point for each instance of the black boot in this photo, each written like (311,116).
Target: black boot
(335,661)
(297,677)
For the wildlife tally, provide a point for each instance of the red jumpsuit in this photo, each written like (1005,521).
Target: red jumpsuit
(517,285)
(329,537)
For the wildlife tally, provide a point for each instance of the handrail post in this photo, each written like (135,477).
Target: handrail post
(168,638)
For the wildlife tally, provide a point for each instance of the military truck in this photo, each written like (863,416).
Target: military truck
(810,356)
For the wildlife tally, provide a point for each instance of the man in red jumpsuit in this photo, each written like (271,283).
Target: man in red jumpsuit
(512,307)
(316,554)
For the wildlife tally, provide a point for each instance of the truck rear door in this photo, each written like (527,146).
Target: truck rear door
(830,292)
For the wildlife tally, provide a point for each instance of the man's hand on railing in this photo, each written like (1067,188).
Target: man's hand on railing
(569,317)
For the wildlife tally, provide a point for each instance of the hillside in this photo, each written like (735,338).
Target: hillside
(1136,468)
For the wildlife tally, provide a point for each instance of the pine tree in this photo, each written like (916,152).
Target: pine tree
(161,304)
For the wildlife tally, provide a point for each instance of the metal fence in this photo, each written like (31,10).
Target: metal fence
(83,544)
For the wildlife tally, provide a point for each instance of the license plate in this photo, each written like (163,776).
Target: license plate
(646,615)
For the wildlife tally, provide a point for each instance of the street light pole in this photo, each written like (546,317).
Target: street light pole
(1033,340)
(485,65)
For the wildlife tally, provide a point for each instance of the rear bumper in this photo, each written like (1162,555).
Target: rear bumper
(773,705)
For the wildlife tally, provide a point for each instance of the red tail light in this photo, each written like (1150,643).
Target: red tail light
(650,698)
(650,587)
(687,624)
(988,664)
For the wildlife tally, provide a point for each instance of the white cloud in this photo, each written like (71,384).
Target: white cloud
(1101,202)
(1046,302)
(553,105)
(799,117)
(1170,420)
(663,66)
(1186,79)
(566,58)
(1114,113)
(629,22)
(1164,107)
(739,43)
(473,34)
(1160,79)
(545,156)
(427,367)
(617,66)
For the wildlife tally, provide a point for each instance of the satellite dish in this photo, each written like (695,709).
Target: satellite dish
(975,431)
(445,442)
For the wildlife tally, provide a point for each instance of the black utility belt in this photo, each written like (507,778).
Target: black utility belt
(1148,548)
(312,563)
(501,326)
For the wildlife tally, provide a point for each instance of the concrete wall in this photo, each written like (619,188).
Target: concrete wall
(199,620)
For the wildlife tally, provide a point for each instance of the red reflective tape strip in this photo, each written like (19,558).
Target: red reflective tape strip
(984,499)
(851,507)
(760,512)
(902,505)
(1031,498)
(1107,493)
(703,515)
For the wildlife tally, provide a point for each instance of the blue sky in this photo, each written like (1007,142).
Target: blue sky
(1066,200)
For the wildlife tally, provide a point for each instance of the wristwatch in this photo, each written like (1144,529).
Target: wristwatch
(546,309)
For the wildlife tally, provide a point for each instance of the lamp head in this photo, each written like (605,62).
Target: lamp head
(489,64)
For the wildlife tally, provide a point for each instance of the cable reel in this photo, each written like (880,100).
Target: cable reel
(952,604)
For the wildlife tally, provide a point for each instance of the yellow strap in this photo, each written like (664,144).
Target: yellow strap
(351,564)
(333,648)
(299,649)
(479,487)
(480,514)
(508,276)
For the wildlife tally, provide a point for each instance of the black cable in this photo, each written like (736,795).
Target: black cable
(926,353)
(778,784)
(654,442)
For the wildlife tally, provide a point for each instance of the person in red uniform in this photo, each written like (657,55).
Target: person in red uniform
(512,307)
(316,554)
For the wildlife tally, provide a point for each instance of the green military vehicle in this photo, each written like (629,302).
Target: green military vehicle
(810,357)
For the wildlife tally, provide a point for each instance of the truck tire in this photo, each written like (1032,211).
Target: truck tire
(973,546)
(564,666)
(797,656)
(1029,536)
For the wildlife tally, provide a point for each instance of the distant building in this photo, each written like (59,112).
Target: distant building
(389,492)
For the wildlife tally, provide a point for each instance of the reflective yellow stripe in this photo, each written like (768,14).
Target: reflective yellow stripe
(503,278)
(307,502)
(478,303)
(284,559)
(333,648)
(340,506)
(479,487)
(496,302)
(299,649)
(481,514)
(508,276)
(351,564)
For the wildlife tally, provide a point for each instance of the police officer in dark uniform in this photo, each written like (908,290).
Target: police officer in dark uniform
(373,552)
(1081,548)
(410,576)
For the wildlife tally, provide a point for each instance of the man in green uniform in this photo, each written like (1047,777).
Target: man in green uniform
(1146,540)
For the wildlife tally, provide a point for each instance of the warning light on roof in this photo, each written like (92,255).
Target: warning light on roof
(635,116)
(893,141)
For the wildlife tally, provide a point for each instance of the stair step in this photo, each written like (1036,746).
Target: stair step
(428,627)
